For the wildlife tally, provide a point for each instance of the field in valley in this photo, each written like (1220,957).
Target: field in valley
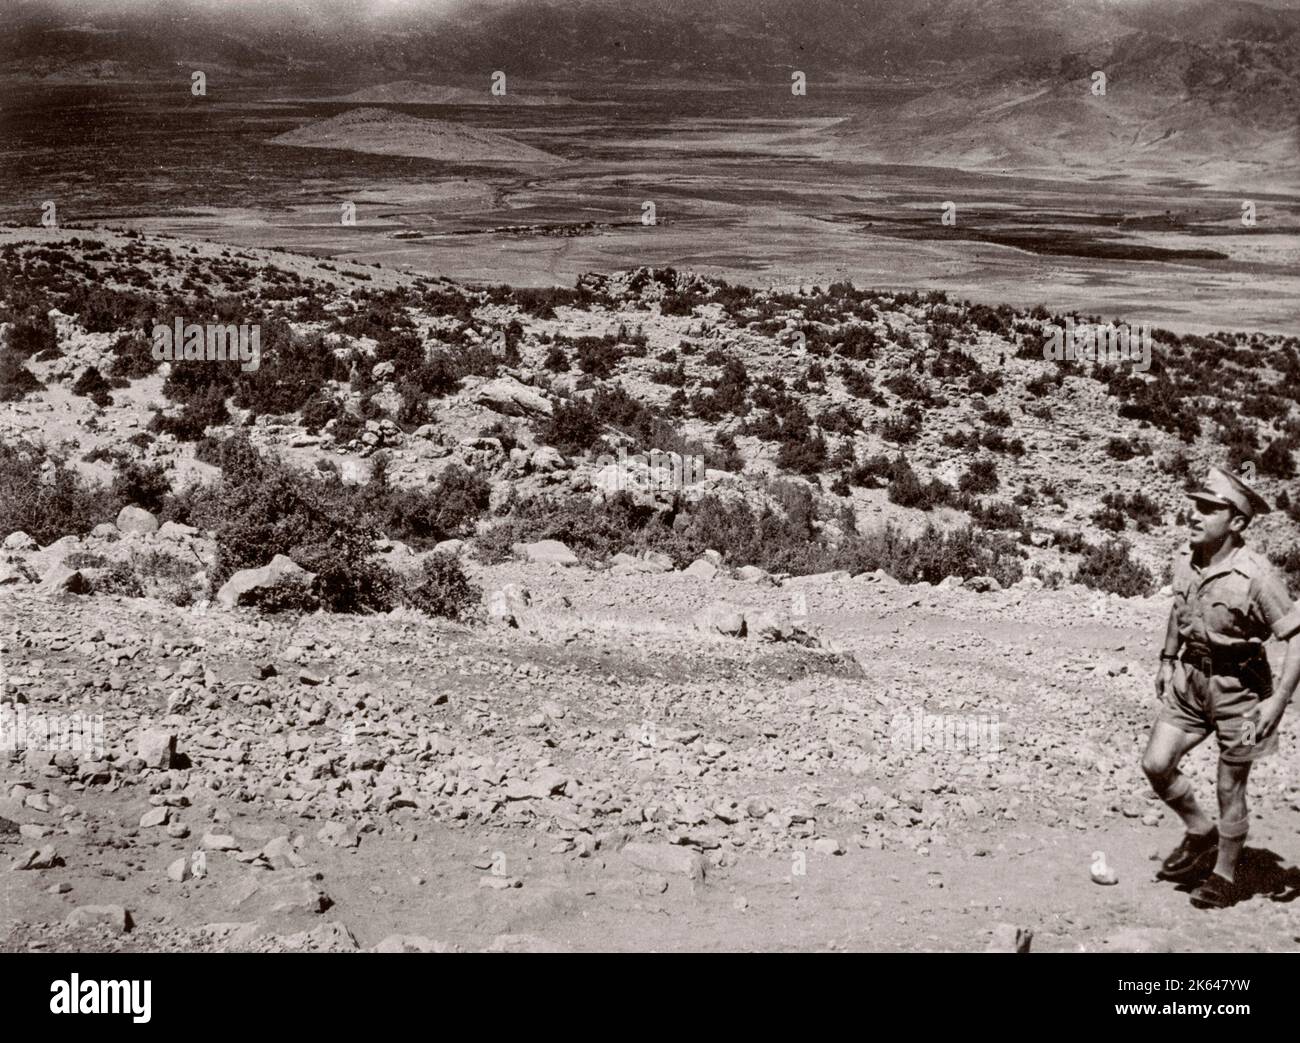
(751,188)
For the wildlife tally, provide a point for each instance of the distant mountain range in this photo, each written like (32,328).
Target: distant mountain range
(1193,85)
(737,38)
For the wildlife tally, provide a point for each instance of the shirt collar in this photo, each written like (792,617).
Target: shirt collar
(1232,563)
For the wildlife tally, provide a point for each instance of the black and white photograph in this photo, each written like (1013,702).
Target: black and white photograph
(570,476)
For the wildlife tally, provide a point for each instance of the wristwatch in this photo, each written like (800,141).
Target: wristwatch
(1166,657)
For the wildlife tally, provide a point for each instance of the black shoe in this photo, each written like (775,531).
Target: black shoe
(1216,893)
(1192,858)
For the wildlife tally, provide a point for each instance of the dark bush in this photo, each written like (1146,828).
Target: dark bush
(980,477)
(144,485)
(806,456)
(932,556)
(442,589)
(448,508)
(92,385)
(557,361)
(902,428)
(319,410)
(63,505)
(16,380)
(1277,460)
(1108,567)
(132,357)
(33,334)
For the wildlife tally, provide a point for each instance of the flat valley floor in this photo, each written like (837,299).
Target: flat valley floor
(759,189)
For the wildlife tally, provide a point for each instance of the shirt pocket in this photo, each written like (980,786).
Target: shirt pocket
(1226,607)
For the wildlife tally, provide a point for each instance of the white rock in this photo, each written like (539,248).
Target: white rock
(60,578)
(551,552)
(249,586)
(1010,938)
(113,916)
(136,519)
(546,458)
(170,530)
(720,618)
(666,859)
(156,748)
(506,395)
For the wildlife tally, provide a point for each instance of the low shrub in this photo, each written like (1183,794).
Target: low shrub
(47,502)
(1109,567)
(442,589)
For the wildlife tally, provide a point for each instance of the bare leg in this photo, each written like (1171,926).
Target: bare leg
(1232,817)
(1165,749)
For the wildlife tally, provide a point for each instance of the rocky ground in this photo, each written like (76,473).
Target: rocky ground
(610,773)
(612,751)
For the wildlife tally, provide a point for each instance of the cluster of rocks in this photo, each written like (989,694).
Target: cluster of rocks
(374,436)
(77,564)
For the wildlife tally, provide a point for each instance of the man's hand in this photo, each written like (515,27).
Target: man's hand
(1164,680)
(1270,716)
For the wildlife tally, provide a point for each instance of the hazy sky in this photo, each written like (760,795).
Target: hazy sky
(360,10)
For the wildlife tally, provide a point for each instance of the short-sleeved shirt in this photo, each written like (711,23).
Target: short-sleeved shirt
(1231,608)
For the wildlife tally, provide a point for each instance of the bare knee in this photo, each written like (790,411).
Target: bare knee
(1158,769)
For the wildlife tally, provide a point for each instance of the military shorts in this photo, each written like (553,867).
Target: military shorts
(1224,700)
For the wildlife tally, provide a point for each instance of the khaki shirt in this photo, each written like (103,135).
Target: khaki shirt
(1228,607)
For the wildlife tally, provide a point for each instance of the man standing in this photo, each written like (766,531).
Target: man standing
(1214,676)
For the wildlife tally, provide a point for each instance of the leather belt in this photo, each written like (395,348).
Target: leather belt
(1224,663)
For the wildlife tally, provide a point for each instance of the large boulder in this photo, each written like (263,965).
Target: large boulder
(60,578)
(720,618)
(115,917)
(509,604)
(546,552)
(170,530)
(282,578)
(665,860)
(651,561)
(1010,938)
(156,747)
(506,395)
(701,568)
(547,458)
(399,557)
(767,625)
(136,519)
(19,541)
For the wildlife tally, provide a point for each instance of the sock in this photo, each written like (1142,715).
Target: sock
(1232,838)
(1177,794)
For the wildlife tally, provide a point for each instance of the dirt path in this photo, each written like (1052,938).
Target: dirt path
(615,780)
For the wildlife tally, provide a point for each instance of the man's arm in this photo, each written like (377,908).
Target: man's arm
(1286,684)
(1173,639)
(1272,708)
(1283,618)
